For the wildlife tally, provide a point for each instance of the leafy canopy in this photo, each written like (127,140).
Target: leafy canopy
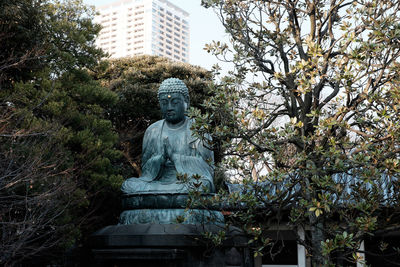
(311,122)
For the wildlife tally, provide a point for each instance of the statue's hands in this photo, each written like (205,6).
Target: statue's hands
(168,150)
(165,153)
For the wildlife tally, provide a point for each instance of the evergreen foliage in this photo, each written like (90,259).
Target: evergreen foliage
(57,154)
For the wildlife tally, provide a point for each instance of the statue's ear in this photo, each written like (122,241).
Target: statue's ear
(185,105)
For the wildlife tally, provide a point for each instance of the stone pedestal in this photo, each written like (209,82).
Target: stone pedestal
(157,230)
(171,245)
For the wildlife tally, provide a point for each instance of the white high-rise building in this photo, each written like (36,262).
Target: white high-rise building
(136,27)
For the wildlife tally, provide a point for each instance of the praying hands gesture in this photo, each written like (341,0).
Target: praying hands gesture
(168,150)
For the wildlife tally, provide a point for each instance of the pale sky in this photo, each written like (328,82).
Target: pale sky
(204,28)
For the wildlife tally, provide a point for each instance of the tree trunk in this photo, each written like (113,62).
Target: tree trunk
(317,236)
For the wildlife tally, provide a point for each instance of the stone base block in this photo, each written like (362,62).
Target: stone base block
(172,245)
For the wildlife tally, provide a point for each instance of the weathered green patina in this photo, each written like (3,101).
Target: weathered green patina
(169,149)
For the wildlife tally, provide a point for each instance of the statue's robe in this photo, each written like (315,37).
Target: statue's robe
(190,156)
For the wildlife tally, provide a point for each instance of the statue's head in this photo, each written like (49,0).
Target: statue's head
(174,100)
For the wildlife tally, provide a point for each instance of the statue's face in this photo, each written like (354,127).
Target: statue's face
(172,107)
